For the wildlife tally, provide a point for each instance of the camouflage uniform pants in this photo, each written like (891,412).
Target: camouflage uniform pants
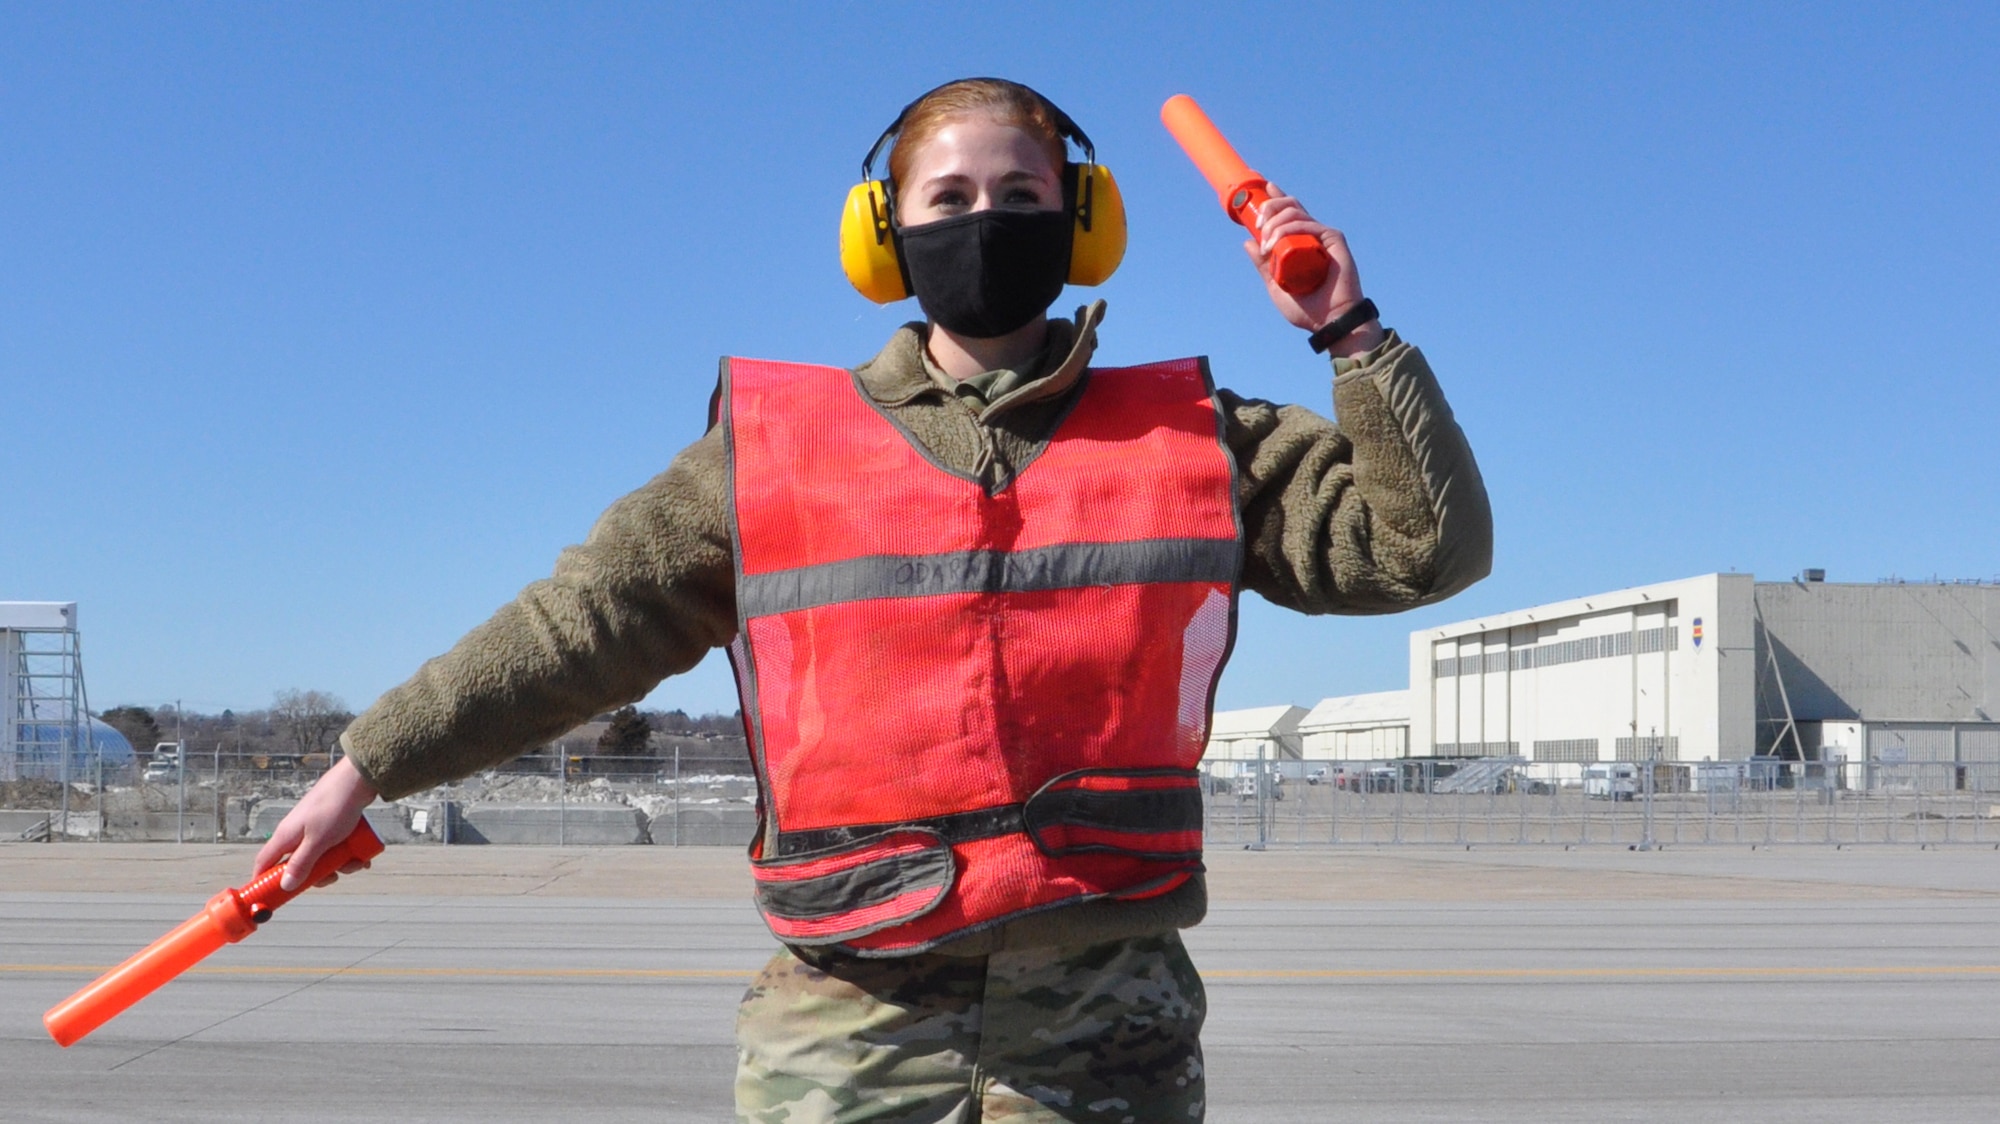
(1102,1033)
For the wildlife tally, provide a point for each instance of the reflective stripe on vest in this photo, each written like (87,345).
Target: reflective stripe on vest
(968,705)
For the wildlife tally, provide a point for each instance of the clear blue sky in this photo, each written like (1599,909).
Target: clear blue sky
(323,327)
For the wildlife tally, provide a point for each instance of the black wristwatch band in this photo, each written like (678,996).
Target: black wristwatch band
(1343,326)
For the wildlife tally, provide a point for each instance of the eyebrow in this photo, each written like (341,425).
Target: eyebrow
(1015,176)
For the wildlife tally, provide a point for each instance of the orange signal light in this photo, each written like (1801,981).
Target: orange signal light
(229,917)
(1298,262)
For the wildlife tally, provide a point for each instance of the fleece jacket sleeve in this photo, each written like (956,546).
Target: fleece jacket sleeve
(646,596)
(1382,512)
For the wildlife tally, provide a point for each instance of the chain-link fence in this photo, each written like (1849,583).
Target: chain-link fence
(689,798)
(678,796)
(1294,803)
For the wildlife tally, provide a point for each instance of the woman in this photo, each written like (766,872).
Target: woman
(977,595)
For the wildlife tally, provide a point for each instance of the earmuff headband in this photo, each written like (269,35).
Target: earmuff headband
(1065,125)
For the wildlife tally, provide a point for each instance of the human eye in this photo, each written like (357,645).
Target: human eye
(949,199)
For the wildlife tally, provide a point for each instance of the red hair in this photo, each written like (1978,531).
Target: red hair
(1009,103)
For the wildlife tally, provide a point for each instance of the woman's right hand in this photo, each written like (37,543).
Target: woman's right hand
(1282,215)
(326,815)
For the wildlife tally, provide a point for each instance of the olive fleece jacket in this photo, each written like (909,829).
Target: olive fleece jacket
(1381,513)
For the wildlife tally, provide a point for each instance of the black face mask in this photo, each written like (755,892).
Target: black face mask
(987,273)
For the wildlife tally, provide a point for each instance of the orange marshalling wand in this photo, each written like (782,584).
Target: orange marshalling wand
(229,917)
(1298,262)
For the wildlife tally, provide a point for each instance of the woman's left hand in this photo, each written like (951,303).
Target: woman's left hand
(1282,215)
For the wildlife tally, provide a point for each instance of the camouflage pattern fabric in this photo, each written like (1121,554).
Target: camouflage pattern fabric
(1107,1033)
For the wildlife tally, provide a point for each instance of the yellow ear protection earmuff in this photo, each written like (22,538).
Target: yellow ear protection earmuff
(868,223)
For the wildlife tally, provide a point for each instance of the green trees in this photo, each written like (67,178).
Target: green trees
(137,724)
(628,735)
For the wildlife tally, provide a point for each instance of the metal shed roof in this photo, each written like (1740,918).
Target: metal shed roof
(1380,708)
(1256,722)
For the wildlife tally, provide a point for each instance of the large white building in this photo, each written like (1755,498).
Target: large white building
(1664,670)
(1719,667)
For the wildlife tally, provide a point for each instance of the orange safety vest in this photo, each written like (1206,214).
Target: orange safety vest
(968,706)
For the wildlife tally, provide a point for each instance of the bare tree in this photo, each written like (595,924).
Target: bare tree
(309,719)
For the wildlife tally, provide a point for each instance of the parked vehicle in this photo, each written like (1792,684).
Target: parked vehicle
(1611,780)
(1381,778)
(1525,785)
(165,765)
(1246,786)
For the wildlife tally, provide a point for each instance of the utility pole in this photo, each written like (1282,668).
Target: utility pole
(180,766)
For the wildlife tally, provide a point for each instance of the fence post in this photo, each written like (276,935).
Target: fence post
(1646,816)
(1263,794)
(1975,793)
(1426,780)
(1978,793)
(1950,799)
(1459,806)
(1299,794)
(1332,806)
(1396,816)
(1799,803)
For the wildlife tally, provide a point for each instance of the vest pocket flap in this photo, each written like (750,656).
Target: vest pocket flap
(1145,813)
(824,897)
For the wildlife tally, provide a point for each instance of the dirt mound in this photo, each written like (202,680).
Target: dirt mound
(39,795)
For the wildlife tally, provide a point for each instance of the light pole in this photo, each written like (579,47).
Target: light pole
(180,767)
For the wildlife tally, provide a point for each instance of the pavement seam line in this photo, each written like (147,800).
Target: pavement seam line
(325,975)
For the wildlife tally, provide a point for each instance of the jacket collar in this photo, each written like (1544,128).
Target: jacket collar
(902,371)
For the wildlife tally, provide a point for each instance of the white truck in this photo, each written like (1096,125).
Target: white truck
(165,765)
(1611,780)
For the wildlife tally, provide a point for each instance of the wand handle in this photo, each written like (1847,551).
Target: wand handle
(1298,262)
(227,918)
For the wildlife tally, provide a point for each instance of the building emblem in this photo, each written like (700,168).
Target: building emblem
(1697,634)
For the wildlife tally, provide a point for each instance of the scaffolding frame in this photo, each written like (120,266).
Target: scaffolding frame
(48,735)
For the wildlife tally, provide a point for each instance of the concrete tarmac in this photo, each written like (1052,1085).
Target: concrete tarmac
(499,984)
